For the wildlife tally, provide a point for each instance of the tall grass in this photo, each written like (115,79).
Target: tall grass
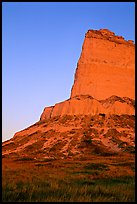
(75,190)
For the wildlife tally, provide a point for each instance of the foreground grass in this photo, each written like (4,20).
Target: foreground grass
(87,181)
(108,190)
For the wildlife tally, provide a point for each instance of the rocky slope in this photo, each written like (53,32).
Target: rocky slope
(74,136)
(99,116)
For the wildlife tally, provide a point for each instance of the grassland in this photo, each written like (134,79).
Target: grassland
(95,179)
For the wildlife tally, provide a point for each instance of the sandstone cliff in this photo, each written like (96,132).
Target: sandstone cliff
(99,116)
(86,105)
(106,68)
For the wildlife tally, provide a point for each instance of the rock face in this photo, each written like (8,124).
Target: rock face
(106,68)
(98,118)
(86,105)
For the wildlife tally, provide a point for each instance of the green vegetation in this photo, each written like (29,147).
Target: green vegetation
(65,118)
(94,175)
(96,166)
(101,180)
(130,149)
(82,190)
(88,141)
(25,159)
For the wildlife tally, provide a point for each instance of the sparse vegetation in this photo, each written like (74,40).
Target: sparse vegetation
(130,149)
(96,174)
(65,118)
(25,159)
(69,181)
(102,114)
(72,131)
(96,166)
(87,140)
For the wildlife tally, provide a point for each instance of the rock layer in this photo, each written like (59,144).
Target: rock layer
(98,118)
(106,66)
(87,105)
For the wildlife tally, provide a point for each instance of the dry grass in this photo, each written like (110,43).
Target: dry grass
(95,179)
(41,172)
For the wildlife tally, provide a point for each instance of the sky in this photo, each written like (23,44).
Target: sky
(41,45)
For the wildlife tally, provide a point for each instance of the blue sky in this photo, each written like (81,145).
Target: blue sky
(41,45)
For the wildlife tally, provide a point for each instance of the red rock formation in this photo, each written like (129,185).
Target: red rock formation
(98,116)
(86,105)
(106,67)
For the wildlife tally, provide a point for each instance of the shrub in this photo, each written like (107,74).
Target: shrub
(96,166)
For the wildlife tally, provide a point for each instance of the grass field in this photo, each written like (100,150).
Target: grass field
(96,179)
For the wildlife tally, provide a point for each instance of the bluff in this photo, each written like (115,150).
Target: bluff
(99,116)
(106,68)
